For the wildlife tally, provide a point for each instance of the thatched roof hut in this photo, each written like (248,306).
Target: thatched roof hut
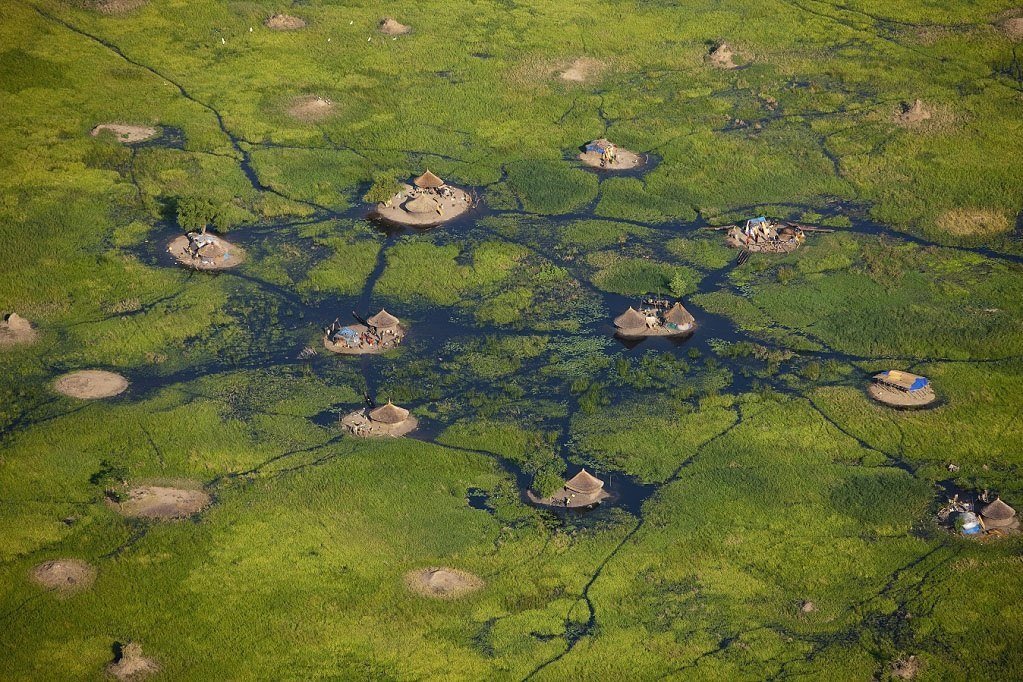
(679,316)
(630,319)
(383,320)
(389,414)
(428,181)
(903,381)
(584,483)
(422,204)
(998,514)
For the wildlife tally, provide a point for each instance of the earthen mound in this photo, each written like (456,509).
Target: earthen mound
(163,503)
(442,583)
(973,222)
(582,70)
(906,668)
(722,57)
(310,108)
(90,384)
(115,6)
(392,27)
(130,664)
(911,114)
(284,22)
(205,252)
(125,133)
(15,330)
(1013,28)
(65,576)
(418,208)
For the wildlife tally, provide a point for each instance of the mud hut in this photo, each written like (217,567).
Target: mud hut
(204,251)
(901,389)
(381,333)
(656,318)
(386,420)
(999,515)
(581,491)
(761,235)
(426,202)
(606,155)
(392,27)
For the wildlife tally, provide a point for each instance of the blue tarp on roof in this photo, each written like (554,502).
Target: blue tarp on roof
(918,383)
(757,221)
(596,147)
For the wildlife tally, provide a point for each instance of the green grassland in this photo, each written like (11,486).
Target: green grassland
(769,521)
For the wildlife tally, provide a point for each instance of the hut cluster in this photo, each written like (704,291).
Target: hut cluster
(427,201)
(655,317)
(607,155)
(386,420)
(995,518)
(901,389)
(582,491)
(379,333)
(205,251)
(763,235)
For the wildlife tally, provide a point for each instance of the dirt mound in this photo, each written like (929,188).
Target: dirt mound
(582,70)
(722,56)
(129,663)
(310,108)
(114,6)
(442,583)
(206,252)
(89,384)
(1012,27)
(910,114)
(284,22)
(164,503)
(15,329)
(975,222)
(125,133)
(65,576)
(906,668)
(392,27)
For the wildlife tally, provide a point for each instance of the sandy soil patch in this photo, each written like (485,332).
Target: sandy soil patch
(624,160)
(912,114)
(905,399)
(392,27)
(90,384)
(163,503)
(722,57)
(125,133)
(424,209)
(442,583)
(359,424)
(65,576)
(310,108)
(215,253)
(582,70)
(16,330)
(1012,26)
(116,6)
(130,663)
(906,668)
(284,22)
(963,222)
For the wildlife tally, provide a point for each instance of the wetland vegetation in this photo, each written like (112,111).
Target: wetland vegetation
(767,520)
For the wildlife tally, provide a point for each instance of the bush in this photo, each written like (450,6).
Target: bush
(383,188)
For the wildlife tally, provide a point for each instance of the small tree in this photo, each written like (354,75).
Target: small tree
(196,213)
(679,285)
(383,188)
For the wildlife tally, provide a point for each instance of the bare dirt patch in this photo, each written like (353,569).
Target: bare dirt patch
(163,502)
(124,132)
(419,208)
(16,330)
(392,27)
(113,7)
(912,114)
(582,70)
(64,576)
(722,56)
(284,22)
(1011,24)
(206,252)
(310,108)
(962,222)
(129,663)
(90,384)
(906,668)
(442,583)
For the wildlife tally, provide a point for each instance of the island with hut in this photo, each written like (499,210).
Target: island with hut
(901,389)
(204,251)
(426,202)
(385,420)
(375,334)
(582,491)
(606,155)
(655,317)
(995,518)
(761,235)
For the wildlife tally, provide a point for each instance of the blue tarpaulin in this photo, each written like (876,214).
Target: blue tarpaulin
(918,383)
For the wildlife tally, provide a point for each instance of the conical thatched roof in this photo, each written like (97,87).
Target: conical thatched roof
(679,316)
(998,511)
(17,322)
(383,320)
(428,181)
(630,319)
(389,414)
(585,483)
(421,204)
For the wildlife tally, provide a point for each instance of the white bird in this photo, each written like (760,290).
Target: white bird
(250,29)
(328,40)
(369,40)
(350,23)
(223,42)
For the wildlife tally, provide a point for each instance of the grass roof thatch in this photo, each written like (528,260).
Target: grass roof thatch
(998,511)
(383,319)
(428,181)
(630,319)
(389,414)
(584,482)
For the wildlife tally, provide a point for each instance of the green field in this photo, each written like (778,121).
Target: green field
(769,520)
